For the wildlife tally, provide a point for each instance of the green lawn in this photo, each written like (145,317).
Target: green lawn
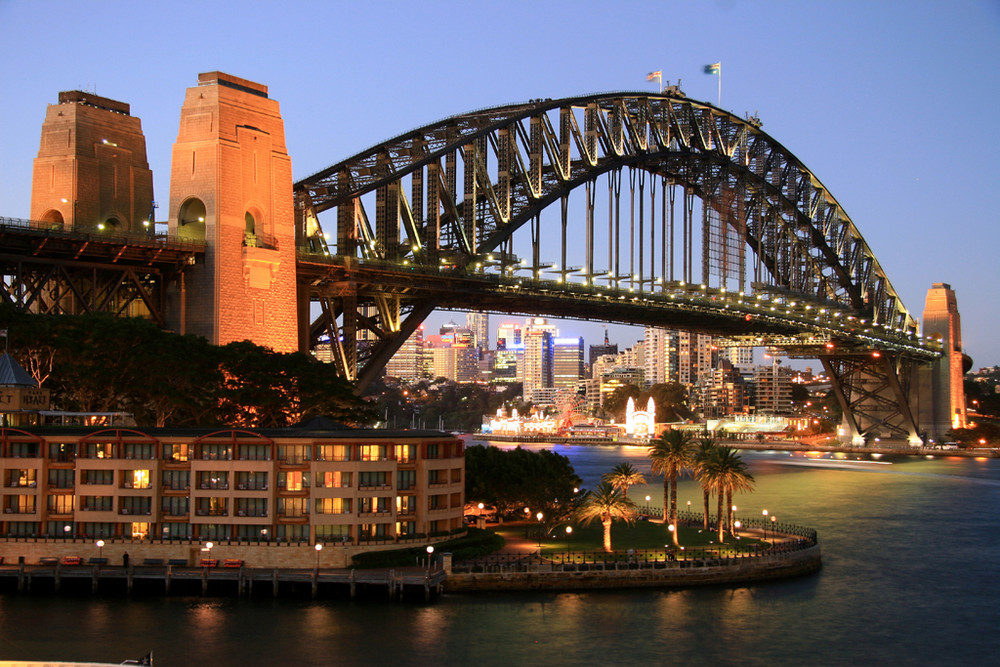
(642,535)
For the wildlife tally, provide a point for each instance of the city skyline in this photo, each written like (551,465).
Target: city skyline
(861,97)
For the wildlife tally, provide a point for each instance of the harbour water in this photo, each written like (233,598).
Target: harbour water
(910,577)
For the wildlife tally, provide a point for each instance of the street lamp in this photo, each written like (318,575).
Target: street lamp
(539,516)
(100,547)
(569,531)
(430,552)
(319,548)
(765,523)
(774,530)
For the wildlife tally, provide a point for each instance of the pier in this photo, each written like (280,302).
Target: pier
(167,579)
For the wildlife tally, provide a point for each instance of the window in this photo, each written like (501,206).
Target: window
(98,477)
(406,504)
(94,530)
(433,451)
(215,531)
(372,452)
(333,506)
(292,533)
(24,450)
(61,479)
(177,453)
(406,453)
(406,479)
(99,450)
(213,506)
(251,507)
(435,477)
(251,532)
(406,528)
(23,477)
(333,479)
(437,502)
(456,475)
(373,505)
(177,531)
(254,452)
(333,453)
(373,531)
(293,481)
(293,454)
(61,504)
(139,450)
(176,480)
(135,505)
(97,503)
(337,533)
(251,481)
(136,479)
(372,479)
(22,528)
(175,505)
(293,507)
(215,451)
(215,479)
(62,452)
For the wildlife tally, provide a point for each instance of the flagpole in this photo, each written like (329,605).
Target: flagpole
(720,85)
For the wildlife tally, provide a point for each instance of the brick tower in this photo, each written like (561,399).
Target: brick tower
(91,172)
(942,381)
(231,187)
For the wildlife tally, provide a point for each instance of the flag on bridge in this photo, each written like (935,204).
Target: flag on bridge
(715,68)
(654,75)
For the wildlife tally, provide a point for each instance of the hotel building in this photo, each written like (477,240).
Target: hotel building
(163,493)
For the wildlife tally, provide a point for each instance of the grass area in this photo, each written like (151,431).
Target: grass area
(642,535)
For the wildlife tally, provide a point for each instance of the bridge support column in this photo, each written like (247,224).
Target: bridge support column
(872,396)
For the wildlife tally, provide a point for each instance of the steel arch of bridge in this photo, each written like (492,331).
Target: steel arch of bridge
(459,189)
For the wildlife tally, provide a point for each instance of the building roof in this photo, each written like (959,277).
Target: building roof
(12,375)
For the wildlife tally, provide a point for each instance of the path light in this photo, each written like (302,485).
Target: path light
(765,523)
(100,547)
(430,553)
(319,547)
(539,516)
(569,530)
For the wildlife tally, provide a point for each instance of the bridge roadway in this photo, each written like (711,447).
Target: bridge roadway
(791,322)
(145,262)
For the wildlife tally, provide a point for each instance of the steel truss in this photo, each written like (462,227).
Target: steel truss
(449,197)
(65,273)
(874,391)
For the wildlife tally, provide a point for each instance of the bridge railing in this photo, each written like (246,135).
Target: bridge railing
(58,230)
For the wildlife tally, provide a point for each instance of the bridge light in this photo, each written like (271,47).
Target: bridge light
(748,317)
(829,345)
(876,354)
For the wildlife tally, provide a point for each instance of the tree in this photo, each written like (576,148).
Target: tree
(671,402)
(617,401)
(622,476)
(703,452)
(510,479)
(605,503)
(671,457)
(726,471)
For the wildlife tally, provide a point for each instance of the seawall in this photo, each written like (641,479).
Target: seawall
(681,574)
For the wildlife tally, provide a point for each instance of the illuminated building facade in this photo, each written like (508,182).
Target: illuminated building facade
(167,488)
(231,188)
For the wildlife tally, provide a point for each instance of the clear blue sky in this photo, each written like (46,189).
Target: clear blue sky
(890,103)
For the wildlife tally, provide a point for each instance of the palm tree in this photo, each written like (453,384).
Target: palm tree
(703,453)
(606,503)
(725,471)
(623,476)
(671,457)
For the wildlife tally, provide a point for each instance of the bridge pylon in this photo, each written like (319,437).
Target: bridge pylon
(231,187)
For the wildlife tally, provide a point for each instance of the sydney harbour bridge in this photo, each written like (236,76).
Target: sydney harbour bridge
(626,207)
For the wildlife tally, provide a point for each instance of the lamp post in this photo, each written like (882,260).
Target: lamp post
(319,548)
(100,549)
(208,547)
(66,530)
(765,523)
(539,516)
(774,519)
(430,553)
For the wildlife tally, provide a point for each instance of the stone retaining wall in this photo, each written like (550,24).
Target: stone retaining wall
(741,571)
